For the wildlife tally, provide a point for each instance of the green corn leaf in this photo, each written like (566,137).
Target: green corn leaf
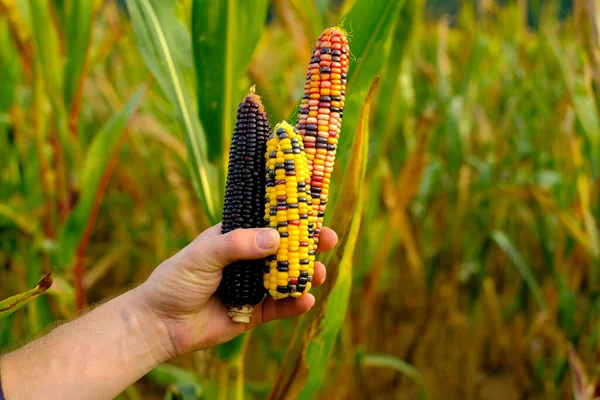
(401,366)
(225,33)
(49,65)
(231,349)
(167,374)
(370,25)
(389,98)
(24,223)
(183,391)
(61,9)
(506,245)
(583,101)
(64,296)
(39,314)
(5,332)
(106,141)
(9,71)
(78,35)
(260,389)
(346,220)
(382,360)
(322,5)
(340,218)
(313,17)
(164,43)
(305,364)
(12,304)
(47,47)
(320,348)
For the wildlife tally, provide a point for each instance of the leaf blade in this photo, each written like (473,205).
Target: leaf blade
(306,359)
(78,35)
(505,244)
(156,37)
(225,34)
(105,142)
(374,24)
(13,303)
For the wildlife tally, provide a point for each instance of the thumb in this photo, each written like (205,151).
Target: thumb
(213,249)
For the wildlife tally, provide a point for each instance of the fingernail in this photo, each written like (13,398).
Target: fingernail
(266,239)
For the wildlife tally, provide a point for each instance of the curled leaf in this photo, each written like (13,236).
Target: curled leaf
(12,304)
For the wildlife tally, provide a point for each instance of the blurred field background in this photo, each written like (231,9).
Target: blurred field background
(469,260)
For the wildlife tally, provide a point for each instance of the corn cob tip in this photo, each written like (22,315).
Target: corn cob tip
(282,125)
(337,30)
(241,314)
(253,97)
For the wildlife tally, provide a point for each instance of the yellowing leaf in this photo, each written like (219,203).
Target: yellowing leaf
(582,388)
(342,215)
(305,364)
(12,304)
(567,220)
(411,174)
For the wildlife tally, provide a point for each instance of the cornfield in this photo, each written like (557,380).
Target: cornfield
(466,192)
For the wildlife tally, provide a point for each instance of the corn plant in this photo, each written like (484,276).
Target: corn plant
(465,191)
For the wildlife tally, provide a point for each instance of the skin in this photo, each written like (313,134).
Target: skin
(173,312)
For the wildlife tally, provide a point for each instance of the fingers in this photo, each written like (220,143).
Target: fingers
(291,307)
(286,308)
(319,275)
(327,239)
(218,250)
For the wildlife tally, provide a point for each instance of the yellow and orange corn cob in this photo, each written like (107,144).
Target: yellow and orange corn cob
(288,209)
(320,116)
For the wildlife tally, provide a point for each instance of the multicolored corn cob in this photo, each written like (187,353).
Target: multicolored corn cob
(241,285)
(288,209)
(320,116)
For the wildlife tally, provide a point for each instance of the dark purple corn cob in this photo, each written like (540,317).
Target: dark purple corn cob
(242,285)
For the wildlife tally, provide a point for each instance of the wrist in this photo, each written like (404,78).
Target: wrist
(151,328)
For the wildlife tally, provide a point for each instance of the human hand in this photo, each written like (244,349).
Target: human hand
(180,292)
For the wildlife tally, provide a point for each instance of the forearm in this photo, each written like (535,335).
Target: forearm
(93,357)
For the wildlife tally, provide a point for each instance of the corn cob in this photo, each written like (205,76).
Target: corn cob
(241,285)
(320,116)
(288,209)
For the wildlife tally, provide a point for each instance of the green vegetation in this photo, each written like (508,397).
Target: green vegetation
(466,192)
